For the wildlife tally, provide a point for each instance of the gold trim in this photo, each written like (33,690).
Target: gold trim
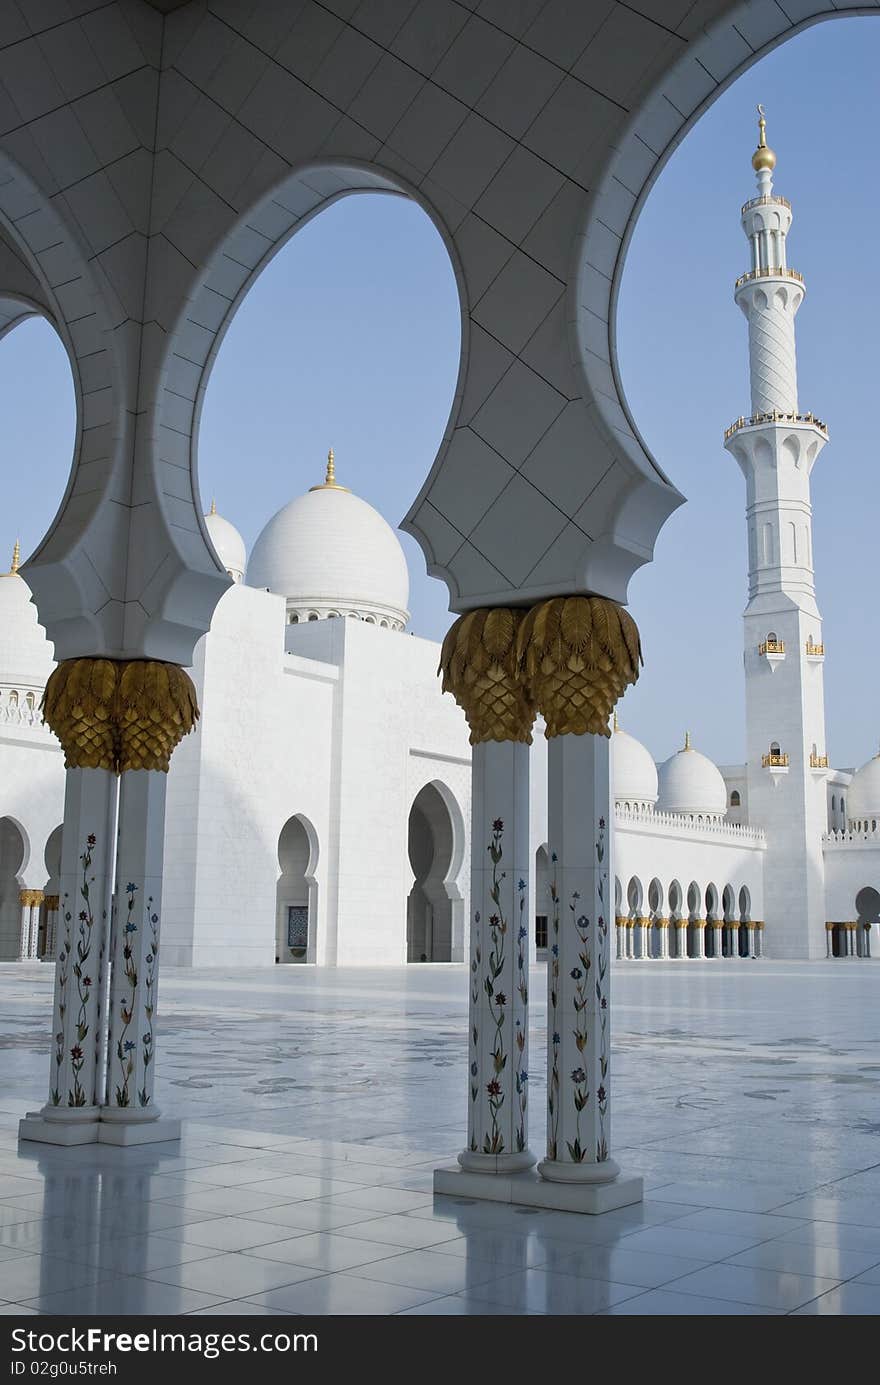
(773,761)
(52,901)
(772,647)
(330,483)
(577,655)
(119,715)
(30,898)
(479,665)
(763,156)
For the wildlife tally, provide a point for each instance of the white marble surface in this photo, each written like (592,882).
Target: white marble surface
(316,1104)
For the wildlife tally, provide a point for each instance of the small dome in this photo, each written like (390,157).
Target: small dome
(763,158)
(863,800)
(633,772)
(691,784)
(330,553)
(26,656)
(228,544)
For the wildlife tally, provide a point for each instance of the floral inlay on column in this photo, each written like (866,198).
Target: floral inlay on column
(79,969)
(130,1013)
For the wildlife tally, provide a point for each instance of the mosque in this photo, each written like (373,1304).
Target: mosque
(319,813)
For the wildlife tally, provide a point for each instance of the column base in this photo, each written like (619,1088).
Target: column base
(138,1132)
(35,1126)
(528,1189)
(556,1171)
(472,1161)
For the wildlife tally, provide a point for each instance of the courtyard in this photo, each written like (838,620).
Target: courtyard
(316,1104)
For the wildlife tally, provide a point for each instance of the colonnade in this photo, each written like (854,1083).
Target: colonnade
(118,723)
(851,939)
(38,910)
(569,659)
(677,939)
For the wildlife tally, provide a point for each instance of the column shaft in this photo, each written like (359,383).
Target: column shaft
(578,973)
(77,1062)
(130,1114)
(499,977)
(24,928)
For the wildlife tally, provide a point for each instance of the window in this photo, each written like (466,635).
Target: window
(298,928)
(735,799)
(833,803)
(541,931)
(313,615)
(293,618)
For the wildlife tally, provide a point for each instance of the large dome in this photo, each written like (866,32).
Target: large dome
(633,772)
(331,554)
(228,544)
(26,657)
(863,801)
(692,785)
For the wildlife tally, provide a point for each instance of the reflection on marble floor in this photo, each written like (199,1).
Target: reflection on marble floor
(317,1103)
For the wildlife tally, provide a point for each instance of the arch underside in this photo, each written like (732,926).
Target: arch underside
(532,153)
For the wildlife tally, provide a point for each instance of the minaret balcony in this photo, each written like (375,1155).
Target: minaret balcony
(772,652)
(773,200)
(815,652)
(775,416)
(818,762)
(768,274)
(774,759)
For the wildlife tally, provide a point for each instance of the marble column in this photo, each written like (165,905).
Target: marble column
(579,975)
(52,902)
(25,926)
(37,898)
(499,968)
(620,931)
(662,926)
(644,936)
(76,1074)
(130,1115)
(759,938)
(718,927)
(700,938)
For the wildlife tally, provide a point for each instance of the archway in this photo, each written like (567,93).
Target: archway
(655,910)
(296,892)
(730,932)
(696,932)
(868,916)
(13,857)
(51,893)
(677,921)
(434,906)
(745,919)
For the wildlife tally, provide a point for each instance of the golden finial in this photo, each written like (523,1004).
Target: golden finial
(16,558)
(330,483)
(213,509)
(687,741)
(763,156)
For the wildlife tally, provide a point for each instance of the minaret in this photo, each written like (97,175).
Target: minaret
(776,447)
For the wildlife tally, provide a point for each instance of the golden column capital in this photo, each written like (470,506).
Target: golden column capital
(29,898)
(577,654)
(479,665)
(119,714)
(52,901)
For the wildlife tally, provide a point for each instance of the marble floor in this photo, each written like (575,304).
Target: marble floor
(316,1104)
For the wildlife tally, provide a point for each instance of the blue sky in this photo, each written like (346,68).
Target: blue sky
(350,338)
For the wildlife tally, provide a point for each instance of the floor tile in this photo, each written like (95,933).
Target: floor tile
(343,1294)
(312,1216)
(325,1251)
(383,1199)
(227,1233)
(695,1245)
(665,1303)
(557,1294)
(823,1262)
(463,1306)
(123,1296)
(405,1232)
(622,1266)
(29,1275)
(233,1275)
(422,1269)
(761,1225)
(848,1300)
(767,1288)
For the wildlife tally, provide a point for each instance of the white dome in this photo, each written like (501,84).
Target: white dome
(690,783)
(330,553)
(633,772)
(228,544)
(863,800)
(26,656)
